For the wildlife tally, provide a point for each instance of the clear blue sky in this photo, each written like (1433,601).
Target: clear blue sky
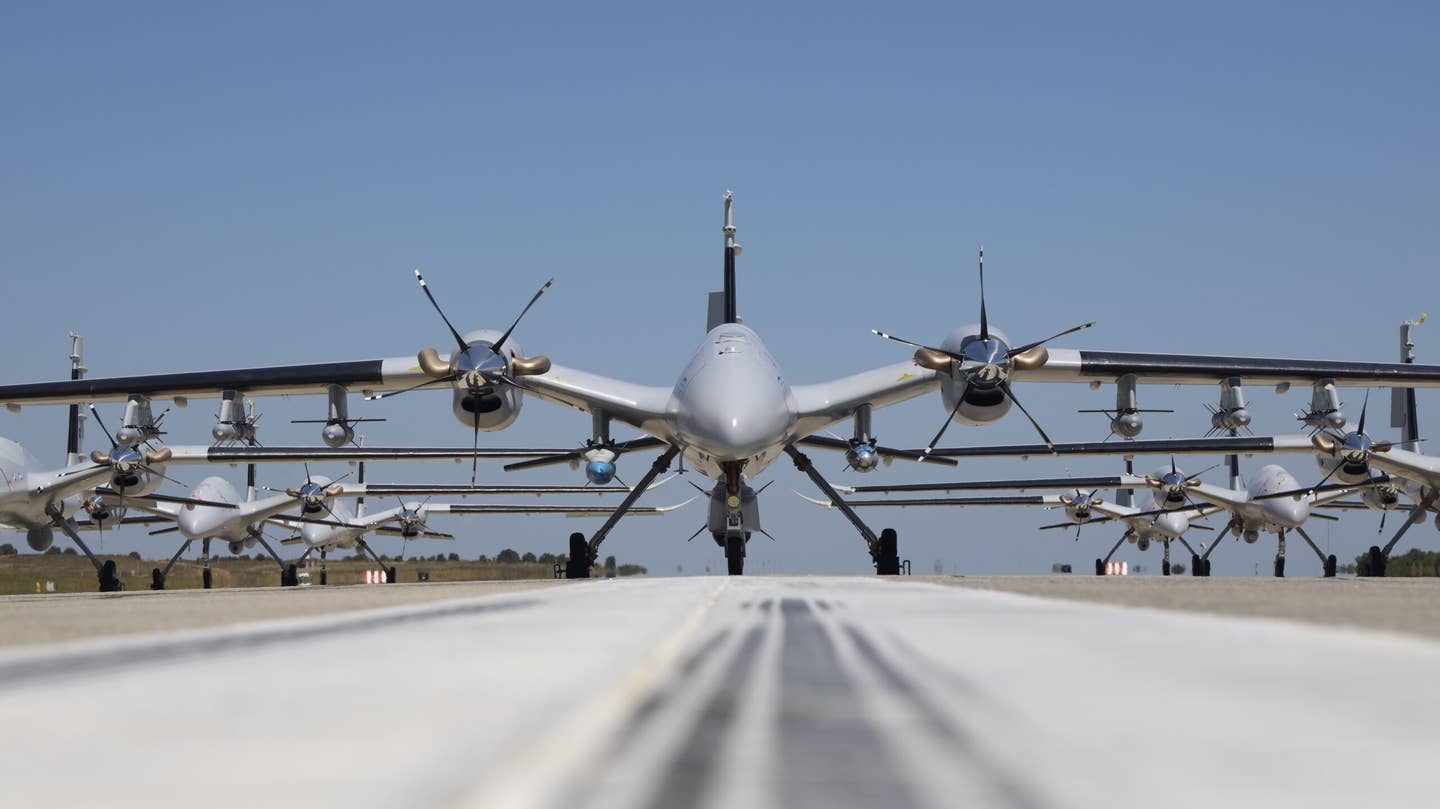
(194,188)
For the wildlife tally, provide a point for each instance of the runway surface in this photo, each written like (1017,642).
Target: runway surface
(754,692)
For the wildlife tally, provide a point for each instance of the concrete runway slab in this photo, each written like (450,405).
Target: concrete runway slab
(1409,605)
(756,692)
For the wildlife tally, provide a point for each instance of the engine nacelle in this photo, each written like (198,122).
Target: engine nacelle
(100,511)
(979,405)
(491,411)
(40,538)
(1250,535)
(1352,470)
(1381,497)
(135,482)
(411,521)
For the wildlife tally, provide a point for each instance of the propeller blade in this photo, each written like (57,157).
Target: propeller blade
(375,397)
(1010,394)
(1022,349)
(945,426)
(459,341)
(523,312)
(892,338)
(984,321)
(548,460)
(96,413)
(475,446)
(1360,428)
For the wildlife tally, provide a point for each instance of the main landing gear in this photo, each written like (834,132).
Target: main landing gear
(583,554)
(1328,564)
(1378,557)
(105,572)
(289,573)
(369,551)
(884,549)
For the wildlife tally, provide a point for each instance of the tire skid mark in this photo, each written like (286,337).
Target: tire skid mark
(662,696)
(939,722)
(831,754)
(689,773)
(49,667)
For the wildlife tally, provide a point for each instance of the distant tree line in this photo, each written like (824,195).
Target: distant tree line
(1414,563)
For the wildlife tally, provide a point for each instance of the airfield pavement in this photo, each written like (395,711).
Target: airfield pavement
(751,692)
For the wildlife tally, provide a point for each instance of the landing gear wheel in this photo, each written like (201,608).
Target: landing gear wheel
(289,577)
(735,565)
(1196,565)
(1164,568)
(1331,565)
(323,578)
(1279,567)
(735,554)
(1377,562)
(888,563)
(390,575)
(206,579)
(157,579)
(1099,567)
(577,564)
(109,579)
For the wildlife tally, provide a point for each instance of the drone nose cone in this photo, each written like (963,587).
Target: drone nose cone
(737,434)
(1288,512)
(734,411)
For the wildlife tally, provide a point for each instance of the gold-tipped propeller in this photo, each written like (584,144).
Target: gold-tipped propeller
(985,363)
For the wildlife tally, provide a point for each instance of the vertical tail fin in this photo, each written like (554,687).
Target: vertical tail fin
(1402,400)
(731,251)
(1126,497)
(75,428)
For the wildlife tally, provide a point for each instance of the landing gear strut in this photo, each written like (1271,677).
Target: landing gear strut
(1280,556)
(158,576)
(884,549)
(1327,563)
(583,554)
(104,571)
(289,574)
(365,548)
(1379,556)
(1100,563)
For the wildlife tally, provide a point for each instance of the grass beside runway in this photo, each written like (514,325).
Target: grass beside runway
(20,574)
